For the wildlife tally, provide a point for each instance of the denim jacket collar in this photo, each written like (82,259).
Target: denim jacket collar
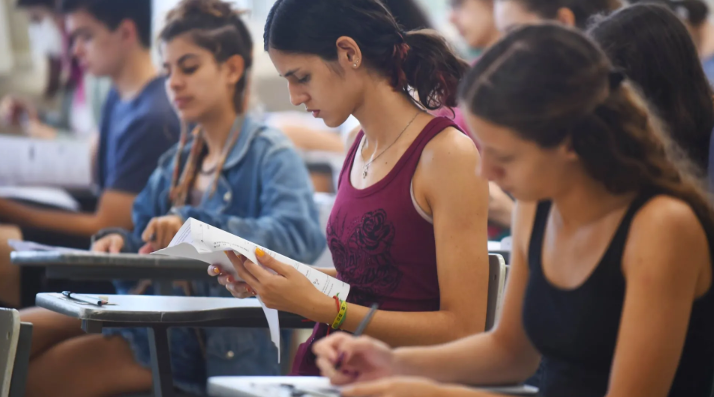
(249,131)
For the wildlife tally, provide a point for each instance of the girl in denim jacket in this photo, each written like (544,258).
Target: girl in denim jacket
(230,172)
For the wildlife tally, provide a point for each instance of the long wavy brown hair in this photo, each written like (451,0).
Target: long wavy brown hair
(551,84)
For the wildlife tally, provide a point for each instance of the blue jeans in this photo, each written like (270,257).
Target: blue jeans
(197,354)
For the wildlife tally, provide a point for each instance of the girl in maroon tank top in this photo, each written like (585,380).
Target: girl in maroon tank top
(408,229)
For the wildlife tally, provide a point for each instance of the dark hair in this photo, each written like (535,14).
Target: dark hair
(695,12)
(37,3)
(215,26)
(418,59)
(551,85)
(582,9)
(408,14)
(114,12)
(654,49)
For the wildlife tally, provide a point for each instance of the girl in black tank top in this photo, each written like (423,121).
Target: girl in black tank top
(610,282)
(576,330)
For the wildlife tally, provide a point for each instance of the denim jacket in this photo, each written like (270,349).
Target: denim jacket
(265,196)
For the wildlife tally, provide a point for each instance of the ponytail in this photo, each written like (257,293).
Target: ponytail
(419,61)
(432,69)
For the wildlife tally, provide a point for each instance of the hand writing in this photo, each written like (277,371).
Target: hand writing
(363,358)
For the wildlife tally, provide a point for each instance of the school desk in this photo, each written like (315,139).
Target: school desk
(158,314)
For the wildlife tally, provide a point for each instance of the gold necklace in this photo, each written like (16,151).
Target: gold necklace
(365,168)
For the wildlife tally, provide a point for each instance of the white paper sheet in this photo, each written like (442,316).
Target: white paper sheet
(37,162)
(203,242)
(48,196)
(494,246)
(21,246)
(279,386)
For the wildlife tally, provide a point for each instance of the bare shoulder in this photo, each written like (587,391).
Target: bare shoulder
(447,175)
(666,216)
(665,233)
(448,150)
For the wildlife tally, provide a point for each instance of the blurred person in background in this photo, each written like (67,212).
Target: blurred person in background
(695,15)
(72,99)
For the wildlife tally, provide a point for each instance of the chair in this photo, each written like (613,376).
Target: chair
(324,203)
(497,273)
(15,339)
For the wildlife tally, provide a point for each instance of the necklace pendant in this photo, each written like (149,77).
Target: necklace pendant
(364,172)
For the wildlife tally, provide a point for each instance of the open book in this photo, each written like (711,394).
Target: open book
(203,242)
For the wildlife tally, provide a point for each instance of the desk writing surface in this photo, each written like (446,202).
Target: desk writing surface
(149,308)
(266,386)
(48,258)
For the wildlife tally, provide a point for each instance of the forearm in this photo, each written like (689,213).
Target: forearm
(329,272)
(78,224)
(478,360)
(395,328)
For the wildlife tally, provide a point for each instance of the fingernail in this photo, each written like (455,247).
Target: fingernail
(259,251)
(215,270)
(230,287)
(230,279)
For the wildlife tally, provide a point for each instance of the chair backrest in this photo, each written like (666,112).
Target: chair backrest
(324,203)
(9,338)
(497,271)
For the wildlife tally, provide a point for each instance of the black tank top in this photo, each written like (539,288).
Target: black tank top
(576,330)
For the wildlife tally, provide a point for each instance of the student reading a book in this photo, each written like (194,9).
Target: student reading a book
(611,269)
(653,48)
(408,229)
(230,172)
(510,13)
(110,38)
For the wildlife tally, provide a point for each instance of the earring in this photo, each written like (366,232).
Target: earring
(356,62)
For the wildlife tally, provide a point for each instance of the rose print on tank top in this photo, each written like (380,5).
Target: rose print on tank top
(361,252)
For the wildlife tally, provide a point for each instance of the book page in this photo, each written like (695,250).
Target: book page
(203,242)
(38,162)
(214,239)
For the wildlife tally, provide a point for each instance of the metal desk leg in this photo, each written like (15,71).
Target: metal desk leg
(161,362)
(22,361)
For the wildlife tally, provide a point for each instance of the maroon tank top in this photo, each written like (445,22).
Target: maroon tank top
(380,244)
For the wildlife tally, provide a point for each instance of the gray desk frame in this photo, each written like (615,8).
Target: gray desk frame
(132,267)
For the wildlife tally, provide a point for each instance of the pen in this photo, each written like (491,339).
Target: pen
(360,329)
(85,299)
